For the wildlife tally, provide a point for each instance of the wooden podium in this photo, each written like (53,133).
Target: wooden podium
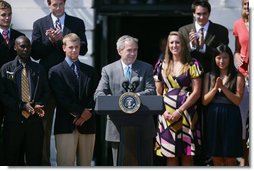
(129,153)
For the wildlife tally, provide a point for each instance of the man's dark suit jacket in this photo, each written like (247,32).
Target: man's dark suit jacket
(216,35)
(11,82)
(52,54)
(69,99)
(19,132)
(7,52)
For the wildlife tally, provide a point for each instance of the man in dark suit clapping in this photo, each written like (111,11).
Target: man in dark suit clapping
(73,84)
(203,36)
(47,36)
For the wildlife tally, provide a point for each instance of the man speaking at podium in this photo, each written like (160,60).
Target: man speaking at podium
(128,74)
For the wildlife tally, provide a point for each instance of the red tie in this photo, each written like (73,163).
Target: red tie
(5,35)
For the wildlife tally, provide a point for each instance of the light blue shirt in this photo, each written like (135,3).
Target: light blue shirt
(69,61)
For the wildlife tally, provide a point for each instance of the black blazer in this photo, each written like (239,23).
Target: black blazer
(10,95)
(62,82)
(52,54)
(216,35)
(7,52)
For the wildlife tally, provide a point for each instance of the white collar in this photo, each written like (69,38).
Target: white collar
(1,31)
(198,27)
(124,65)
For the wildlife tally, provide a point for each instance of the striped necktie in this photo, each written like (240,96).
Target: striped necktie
(201,37)
(5,35)
(25,89)
(58,24)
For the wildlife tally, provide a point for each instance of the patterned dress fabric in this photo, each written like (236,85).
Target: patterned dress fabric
(182,137)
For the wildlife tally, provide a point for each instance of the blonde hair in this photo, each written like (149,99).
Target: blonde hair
(5,5)
(71,37)
(185,54)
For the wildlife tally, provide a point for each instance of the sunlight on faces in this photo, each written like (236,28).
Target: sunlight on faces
(129,53)
(245,6)
(72,48)
(5,18)
(201,15)
(222,61)
(174,45)
(23,47)
(57,7)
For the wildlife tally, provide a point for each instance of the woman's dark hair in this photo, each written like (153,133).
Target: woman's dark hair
(232,71)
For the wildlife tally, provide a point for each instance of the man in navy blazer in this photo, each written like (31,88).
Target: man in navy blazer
(110,83)
(47,39)
(47,44)
(23,134)
(214,34)
(73,84)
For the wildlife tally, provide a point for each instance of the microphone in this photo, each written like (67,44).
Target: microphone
(125,84)
(134,83)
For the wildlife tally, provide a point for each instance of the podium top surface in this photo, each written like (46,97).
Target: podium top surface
(150,104)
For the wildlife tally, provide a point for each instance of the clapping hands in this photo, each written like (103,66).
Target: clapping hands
(54,34)
(193,38)
(196,39)
(218,84)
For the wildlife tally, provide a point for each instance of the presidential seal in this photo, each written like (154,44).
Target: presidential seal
(129,102)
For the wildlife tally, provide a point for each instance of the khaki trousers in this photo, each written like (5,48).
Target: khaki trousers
(74,147)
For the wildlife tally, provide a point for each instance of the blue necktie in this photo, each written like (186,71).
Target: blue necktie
(127,72)
(75,68)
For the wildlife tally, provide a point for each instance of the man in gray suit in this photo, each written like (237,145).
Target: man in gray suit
(111,84)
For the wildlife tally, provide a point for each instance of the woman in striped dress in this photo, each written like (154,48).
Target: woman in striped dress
(178,79)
